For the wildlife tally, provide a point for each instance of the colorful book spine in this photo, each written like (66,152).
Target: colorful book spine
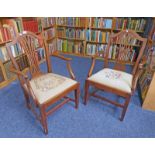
(93,49)
(71,21)
(97,36)
(31,25)
(71,33)
(129,55)
(129,23)
(100,22)
(70,46)
(5,34)
(48,21)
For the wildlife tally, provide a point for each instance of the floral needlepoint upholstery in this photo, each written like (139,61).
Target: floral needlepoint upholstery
(113,78)
(48,81)
(47,86)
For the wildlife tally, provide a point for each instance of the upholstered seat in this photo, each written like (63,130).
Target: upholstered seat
(113,78)
(50,85)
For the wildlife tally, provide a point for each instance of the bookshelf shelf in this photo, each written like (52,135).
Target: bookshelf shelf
(51,26)
(75,39)
(95,42)
(99,28)
(3,43)
(71,26)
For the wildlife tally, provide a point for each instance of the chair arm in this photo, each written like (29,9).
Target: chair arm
(69,68)
(92,66)
(61,57)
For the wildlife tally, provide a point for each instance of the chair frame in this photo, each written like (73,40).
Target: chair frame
(119,65)
(25,41)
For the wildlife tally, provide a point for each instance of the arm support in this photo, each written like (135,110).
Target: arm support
(137,75)
(68,64)
(92,66)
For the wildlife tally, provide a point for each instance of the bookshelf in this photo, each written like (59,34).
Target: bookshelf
(147,80)
(94,34)
(49,32)
(71,35)
(80,36)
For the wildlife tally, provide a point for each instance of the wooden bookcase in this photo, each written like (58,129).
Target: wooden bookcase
(80,36)
(149,100)
(97,32)
(147,80)
(71,35)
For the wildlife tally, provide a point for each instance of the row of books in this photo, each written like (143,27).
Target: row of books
(15,25)
(128,54)
(144,82)
(52,46)
(3,54)
(31,25)
(97,36)
(71,21)
(128,23)
(93,49)
(70,46)
(128,40)
(7,70)
(5,34)
(50,33)
(48,21)
(100,22)
(40,53)
(71,33)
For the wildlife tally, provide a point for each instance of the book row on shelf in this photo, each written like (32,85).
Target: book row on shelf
(48,21)
(32,25)
(145,81)
(100,50)
(4,34)
(70,46)
(17,51)
(100,22)
(52,47)
(71,33)
(129,23)
(71,21)
(97,36)
(93,49)
(15,25)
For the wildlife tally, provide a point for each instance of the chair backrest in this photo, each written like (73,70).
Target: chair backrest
(28,45)
(125,46)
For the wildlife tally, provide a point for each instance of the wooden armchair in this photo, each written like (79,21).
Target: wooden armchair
(117,80)
(41,90)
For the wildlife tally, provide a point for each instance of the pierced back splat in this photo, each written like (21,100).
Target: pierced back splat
(125,46)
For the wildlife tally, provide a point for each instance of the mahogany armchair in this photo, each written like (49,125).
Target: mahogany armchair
(41,90)
(116,80)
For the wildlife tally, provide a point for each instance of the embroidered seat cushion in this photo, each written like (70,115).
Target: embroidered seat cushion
(49,85)
(114,79)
